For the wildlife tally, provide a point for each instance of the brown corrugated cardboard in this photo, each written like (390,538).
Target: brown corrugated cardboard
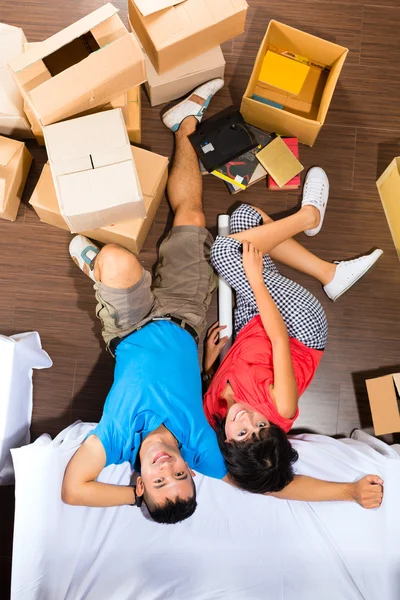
(15,162)
(177,34)
(148,7)
(279,162)
(181,80)
(12,118)
(79,68)
(153,174)
(388,186)
(303,115)
(94,175)
(383,393)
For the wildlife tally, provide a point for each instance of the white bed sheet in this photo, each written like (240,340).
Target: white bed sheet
(236,546)
(19,354)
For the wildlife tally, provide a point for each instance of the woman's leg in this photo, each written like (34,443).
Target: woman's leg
(294,255)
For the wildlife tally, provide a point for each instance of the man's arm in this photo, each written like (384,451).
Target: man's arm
(79,486)
(367,492)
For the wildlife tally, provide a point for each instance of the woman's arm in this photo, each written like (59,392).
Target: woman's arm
(79,486)
(284,391)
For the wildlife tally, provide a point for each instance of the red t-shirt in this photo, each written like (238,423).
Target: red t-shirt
(248,367)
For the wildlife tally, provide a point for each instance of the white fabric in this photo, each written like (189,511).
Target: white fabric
(19,354)
(236,546)
(225,296)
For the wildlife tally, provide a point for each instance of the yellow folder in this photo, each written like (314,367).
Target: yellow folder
(283,73)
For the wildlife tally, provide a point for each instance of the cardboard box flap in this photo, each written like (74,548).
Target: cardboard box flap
(39,51)
(383,395)
(11,102)
(94,160)
(7,150)
(47,98)
(148,7)
(211,58)
(12,40)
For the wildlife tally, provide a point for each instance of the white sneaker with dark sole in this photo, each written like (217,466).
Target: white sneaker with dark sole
(187,107)
(348,272)
(82,252)
(316,193)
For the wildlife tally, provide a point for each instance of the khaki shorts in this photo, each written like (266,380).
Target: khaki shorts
(182,287)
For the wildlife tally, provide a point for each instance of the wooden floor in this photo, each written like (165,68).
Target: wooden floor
(41,289)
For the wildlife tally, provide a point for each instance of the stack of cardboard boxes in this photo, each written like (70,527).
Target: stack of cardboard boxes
(78,93)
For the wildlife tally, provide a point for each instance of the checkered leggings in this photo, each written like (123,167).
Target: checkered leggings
(303,315)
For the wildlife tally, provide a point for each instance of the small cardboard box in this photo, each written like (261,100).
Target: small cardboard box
(83,66)
(388,186)
(12,119)
(302,116)
(181,80)
(383,394)
(15,162)
(153,174)
(129,103)
(184,29)
(94,174)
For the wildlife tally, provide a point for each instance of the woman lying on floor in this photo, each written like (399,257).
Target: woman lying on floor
(280,330)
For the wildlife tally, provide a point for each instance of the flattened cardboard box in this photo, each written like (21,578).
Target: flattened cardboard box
(388,186)
(153,174)
(15,162)
(302,116)
(383,394)
(12,119)
(79,68)
(94,174)
(186,29)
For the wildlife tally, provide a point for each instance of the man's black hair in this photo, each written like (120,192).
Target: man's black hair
(171,512)
(261,464)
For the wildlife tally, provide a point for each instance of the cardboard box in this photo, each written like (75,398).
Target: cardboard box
(12,118)
(94,174)
(15,162)
(153,174)
(79,68)
(303,115)
(186,29)
(129,103)
(181,80)
(388,186)
(383,393)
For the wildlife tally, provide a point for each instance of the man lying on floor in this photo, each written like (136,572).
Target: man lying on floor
(153,416)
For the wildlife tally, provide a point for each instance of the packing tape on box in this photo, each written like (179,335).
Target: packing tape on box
(225,296)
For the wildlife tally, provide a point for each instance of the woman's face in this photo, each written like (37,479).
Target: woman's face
(242,421)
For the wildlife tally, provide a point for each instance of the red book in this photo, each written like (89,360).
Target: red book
(293,184)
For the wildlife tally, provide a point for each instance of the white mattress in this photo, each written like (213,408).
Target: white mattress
(236,546)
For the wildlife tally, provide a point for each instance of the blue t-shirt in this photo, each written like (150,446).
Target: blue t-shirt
(157,381)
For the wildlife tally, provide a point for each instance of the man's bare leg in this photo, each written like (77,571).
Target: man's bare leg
(117,268)
(185,185)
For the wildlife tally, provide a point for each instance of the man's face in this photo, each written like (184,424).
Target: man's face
(164,474)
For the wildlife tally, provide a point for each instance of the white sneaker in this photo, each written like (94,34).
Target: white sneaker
(348,272)
(82,252)
(316,193)
(175,115)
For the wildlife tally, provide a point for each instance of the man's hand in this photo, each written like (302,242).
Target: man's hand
(368,491)
(213,346)
(252,260)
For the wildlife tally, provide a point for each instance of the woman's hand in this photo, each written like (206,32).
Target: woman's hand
(368,491)
(213,346)
(252,264)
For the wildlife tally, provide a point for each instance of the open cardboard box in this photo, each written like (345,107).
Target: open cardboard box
(175,31)
(153,175)
(12,118)
(302,116)
(383,394)
(79,68)
(94,173)
(388,186)
(15,162)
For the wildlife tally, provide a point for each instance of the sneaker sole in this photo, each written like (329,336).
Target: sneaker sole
(367,270)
